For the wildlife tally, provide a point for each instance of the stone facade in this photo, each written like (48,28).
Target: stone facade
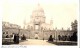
(40,35)
(9,30)
(37,28)
(38,22)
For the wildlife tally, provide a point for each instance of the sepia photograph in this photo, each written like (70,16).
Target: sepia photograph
(40,22)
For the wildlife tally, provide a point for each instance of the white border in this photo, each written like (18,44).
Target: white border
(1,11)
(40,46)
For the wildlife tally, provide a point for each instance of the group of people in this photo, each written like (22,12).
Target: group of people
(65,37)
(23,37)
(68,38)
(50,39)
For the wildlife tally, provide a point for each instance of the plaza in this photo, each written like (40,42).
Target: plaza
(35,42)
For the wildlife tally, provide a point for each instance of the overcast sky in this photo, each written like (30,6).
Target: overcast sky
(63,12)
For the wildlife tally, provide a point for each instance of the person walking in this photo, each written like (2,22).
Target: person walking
(17,38)
(14,38)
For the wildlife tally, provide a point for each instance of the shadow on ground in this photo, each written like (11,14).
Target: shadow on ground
(64,43)
(10,43)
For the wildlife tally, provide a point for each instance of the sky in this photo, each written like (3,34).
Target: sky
(63,12)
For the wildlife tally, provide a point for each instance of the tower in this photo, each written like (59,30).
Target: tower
(24,22)
(51,23)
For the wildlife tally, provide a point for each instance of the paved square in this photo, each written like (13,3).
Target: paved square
(35,42)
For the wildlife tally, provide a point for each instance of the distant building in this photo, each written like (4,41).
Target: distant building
(38,28)
(10,25)
(9,28)
(74,25)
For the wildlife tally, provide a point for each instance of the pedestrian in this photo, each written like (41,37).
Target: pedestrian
(17,39)
(14,38)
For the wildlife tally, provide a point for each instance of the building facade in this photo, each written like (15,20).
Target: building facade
(38,22)
(9,28)
(37,28)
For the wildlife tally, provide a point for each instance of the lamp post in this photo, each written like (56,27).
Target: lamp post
(18,31)
(56,34)
(29,31)
(29,34)
(43,35)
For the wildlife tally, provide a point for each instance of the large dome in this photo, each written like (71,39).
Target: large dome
(38,11)
(38,8)
(38,15)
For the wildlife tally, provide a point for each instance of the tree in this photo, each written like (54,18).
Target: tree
(74,26)
(74,29)
(74,37)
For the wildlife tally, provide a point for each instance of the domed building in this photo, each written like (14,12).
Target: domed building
(38,23)
(37,28)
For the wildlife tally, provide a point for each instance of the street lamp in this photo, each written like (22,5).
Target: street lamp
(18,31)
(43,35)
(56,34)
(29,31)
